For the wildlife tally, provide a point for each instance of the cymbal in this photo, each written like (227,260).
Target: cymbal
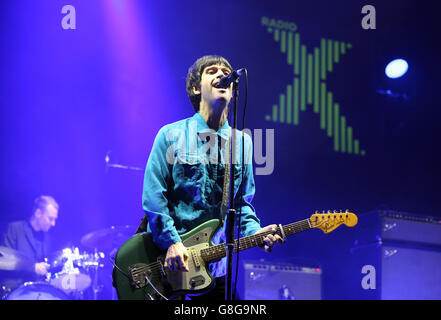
(11,259)
(107,239)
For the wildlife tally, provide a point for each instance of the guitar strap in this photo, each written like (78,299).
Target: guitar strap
(226,187)
(143,225)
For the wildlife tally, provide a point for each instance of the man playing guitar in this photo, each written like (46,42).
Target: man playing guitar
(184,177)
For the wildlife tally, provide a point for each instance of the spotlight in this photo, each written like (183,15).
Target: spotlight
(396,68)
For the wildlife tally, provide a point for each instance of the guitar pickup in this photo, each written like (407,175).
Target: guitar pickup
(137,275)
(195,258)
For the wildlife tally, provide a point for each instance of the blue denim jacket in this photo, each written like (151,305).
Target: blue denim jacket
(184,179)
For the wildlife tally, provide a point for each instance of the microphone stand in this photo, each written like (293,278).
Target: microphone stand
(117,165)
(231,213)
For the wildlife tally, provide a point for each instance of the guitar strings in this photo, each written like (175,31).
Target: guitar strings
(156,266)
(220,248)
(218,251)
(127,276)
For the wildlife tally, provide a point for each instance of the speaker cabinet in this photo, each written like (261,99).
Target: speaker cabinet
(270,281)
(405,252)
(410,274)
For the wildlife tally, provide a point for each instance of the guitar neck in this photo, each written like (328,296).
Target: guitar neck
(219,251)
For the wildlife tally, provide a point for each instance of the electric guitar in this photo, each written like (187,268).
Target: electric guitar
(139,272)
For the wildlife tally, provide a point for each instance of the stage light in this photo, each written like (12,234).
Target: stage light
(396,68)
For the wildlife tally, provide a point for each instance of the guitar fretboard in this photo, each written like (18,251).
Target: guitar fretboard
(219,251)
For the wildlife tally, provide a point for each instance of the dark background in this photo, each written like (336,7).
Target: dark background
(69,97)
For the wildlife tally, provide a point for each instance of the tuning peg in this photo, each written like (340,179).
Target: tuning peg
(316,212)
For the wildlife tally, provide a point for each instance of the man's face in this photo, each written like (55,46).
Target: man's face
(47,217)
(209,90)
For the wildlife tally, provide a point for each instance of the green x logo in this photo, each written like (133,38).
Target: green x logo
(309,85)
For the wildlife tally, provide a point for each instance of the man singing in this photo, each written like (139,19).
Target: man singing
(184,177)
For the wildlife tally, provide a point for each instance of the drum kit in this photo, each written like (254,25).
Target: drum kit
(73,274)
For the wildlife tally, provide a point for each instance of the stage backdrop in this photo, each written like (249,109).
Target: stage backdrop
(103,82)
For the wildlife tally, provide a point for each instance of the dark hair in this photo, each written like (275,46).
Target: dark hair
(194,75)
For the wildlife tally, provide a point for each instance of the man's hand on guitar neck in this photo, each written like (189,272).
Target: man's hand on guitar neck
(270,239)
(176,258)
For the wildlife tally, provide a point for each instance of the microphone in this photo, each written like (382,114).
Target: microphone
(233,76)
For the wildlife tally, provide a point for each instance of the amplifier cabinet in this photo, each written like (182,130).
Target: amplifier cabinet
(410,274)
(279,281)
(405,252)
(397,226)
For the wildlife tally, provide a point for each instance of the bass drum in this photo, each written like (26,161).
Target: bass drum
(37,291)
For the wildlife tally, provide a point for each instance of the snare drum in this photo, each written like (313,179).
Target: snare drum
(37,291)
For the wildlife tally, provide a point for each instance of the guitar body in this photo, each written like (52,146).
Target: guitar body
(139,258)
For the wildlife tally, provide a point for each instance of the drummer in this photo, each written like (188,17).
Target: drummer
(29,237)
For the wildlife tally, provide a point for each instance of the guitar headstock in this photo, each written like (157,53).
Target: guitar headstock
(329,221)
